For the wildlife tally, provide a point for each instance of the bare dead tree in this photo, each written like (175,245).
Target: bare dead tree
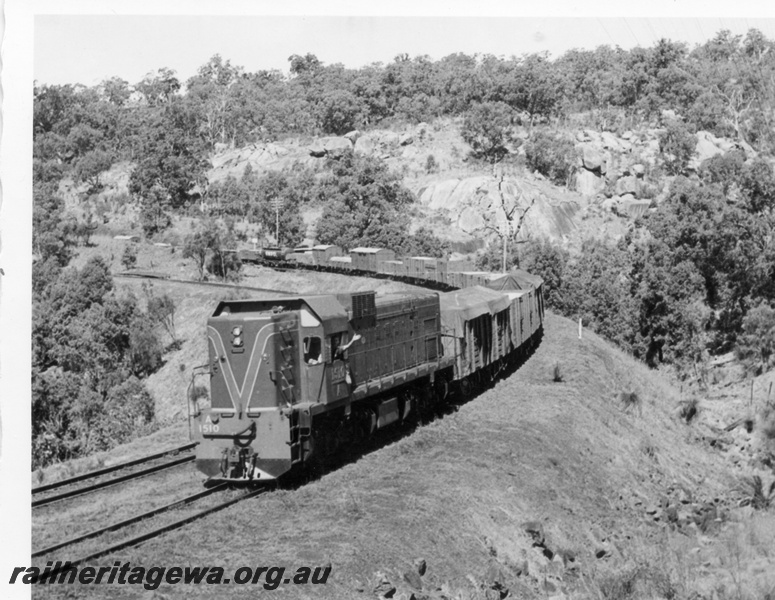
(737,107)
(512,211)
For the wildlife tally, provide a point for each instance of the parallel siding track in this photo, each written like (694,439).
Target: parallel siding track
(113,481)
(152,533)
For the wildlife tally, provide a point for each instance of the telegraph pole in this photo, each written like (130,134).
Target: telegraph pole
(505,238)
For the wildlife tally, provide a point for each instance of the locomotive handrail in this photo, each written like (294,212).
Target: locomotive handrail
(193,403)
(272,376)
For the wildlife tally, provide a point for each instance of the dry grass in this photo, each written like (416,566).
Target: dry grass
(458,492)
(738,564)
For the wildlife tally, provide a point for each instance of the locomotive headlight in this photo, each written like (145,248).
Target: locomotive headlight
(237,331)
(237,342)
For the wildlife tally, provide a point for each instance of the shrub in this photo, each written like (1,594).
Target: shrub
(756,344)
(756,493)
(225,265)
(487,128)
(648,448)
(128,409)
(129,257)
(676,145)
(709,113)
(758,185)
(547,260)
(767,423)
(423,242)
(597,289)
(339,111)
(431,166)
(208,246)
(630,400)
(130,403)
(161,310)
(145,349)
(551,155)
(557,376)
(621,585)
(689,409)
(723,169)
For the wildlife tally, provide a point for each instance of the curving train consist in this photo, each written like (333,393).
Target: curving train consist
(292,379)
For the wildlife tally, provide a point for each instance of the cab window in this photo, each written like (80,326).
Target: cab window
(313,350)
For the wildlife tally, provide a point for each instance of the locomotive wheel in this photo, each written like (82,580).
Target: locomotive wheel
(466,387)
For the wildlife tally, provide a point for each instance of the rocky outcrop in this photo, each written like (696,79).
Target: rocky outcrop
(353,135)
(317,150)
(379,142)
(633,208)
(329,146)
(706,148)
(267,156)
(587,183)
(592,159)
(475,204)
(335,144)
(618,164)
(709,146)
(627,185)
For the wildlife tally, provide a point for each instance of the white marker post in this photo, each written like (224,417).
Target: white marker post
(579,327)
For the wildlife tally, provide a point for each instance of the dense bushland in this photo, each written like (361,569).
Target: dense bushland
(693,278)
(167,127)
(696,276)
(91,347)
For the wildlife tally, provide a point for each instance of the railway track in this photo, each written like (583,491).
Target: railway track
(97,474)
(214,284)
(150,534)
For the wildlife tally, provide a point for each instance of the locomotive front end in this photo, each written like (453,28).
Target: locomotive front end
(245,432)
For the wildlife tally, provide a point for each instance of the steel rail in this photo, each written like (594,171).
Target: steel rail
(130,521)
(139,539)
(214,284)
(110,482)
(111,469)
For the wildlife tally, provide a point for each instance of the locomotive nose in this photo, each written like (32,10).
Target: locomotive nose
(247,447)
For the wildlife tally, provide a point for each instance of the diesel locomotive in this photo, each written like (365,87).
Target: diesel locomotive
(292,379)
